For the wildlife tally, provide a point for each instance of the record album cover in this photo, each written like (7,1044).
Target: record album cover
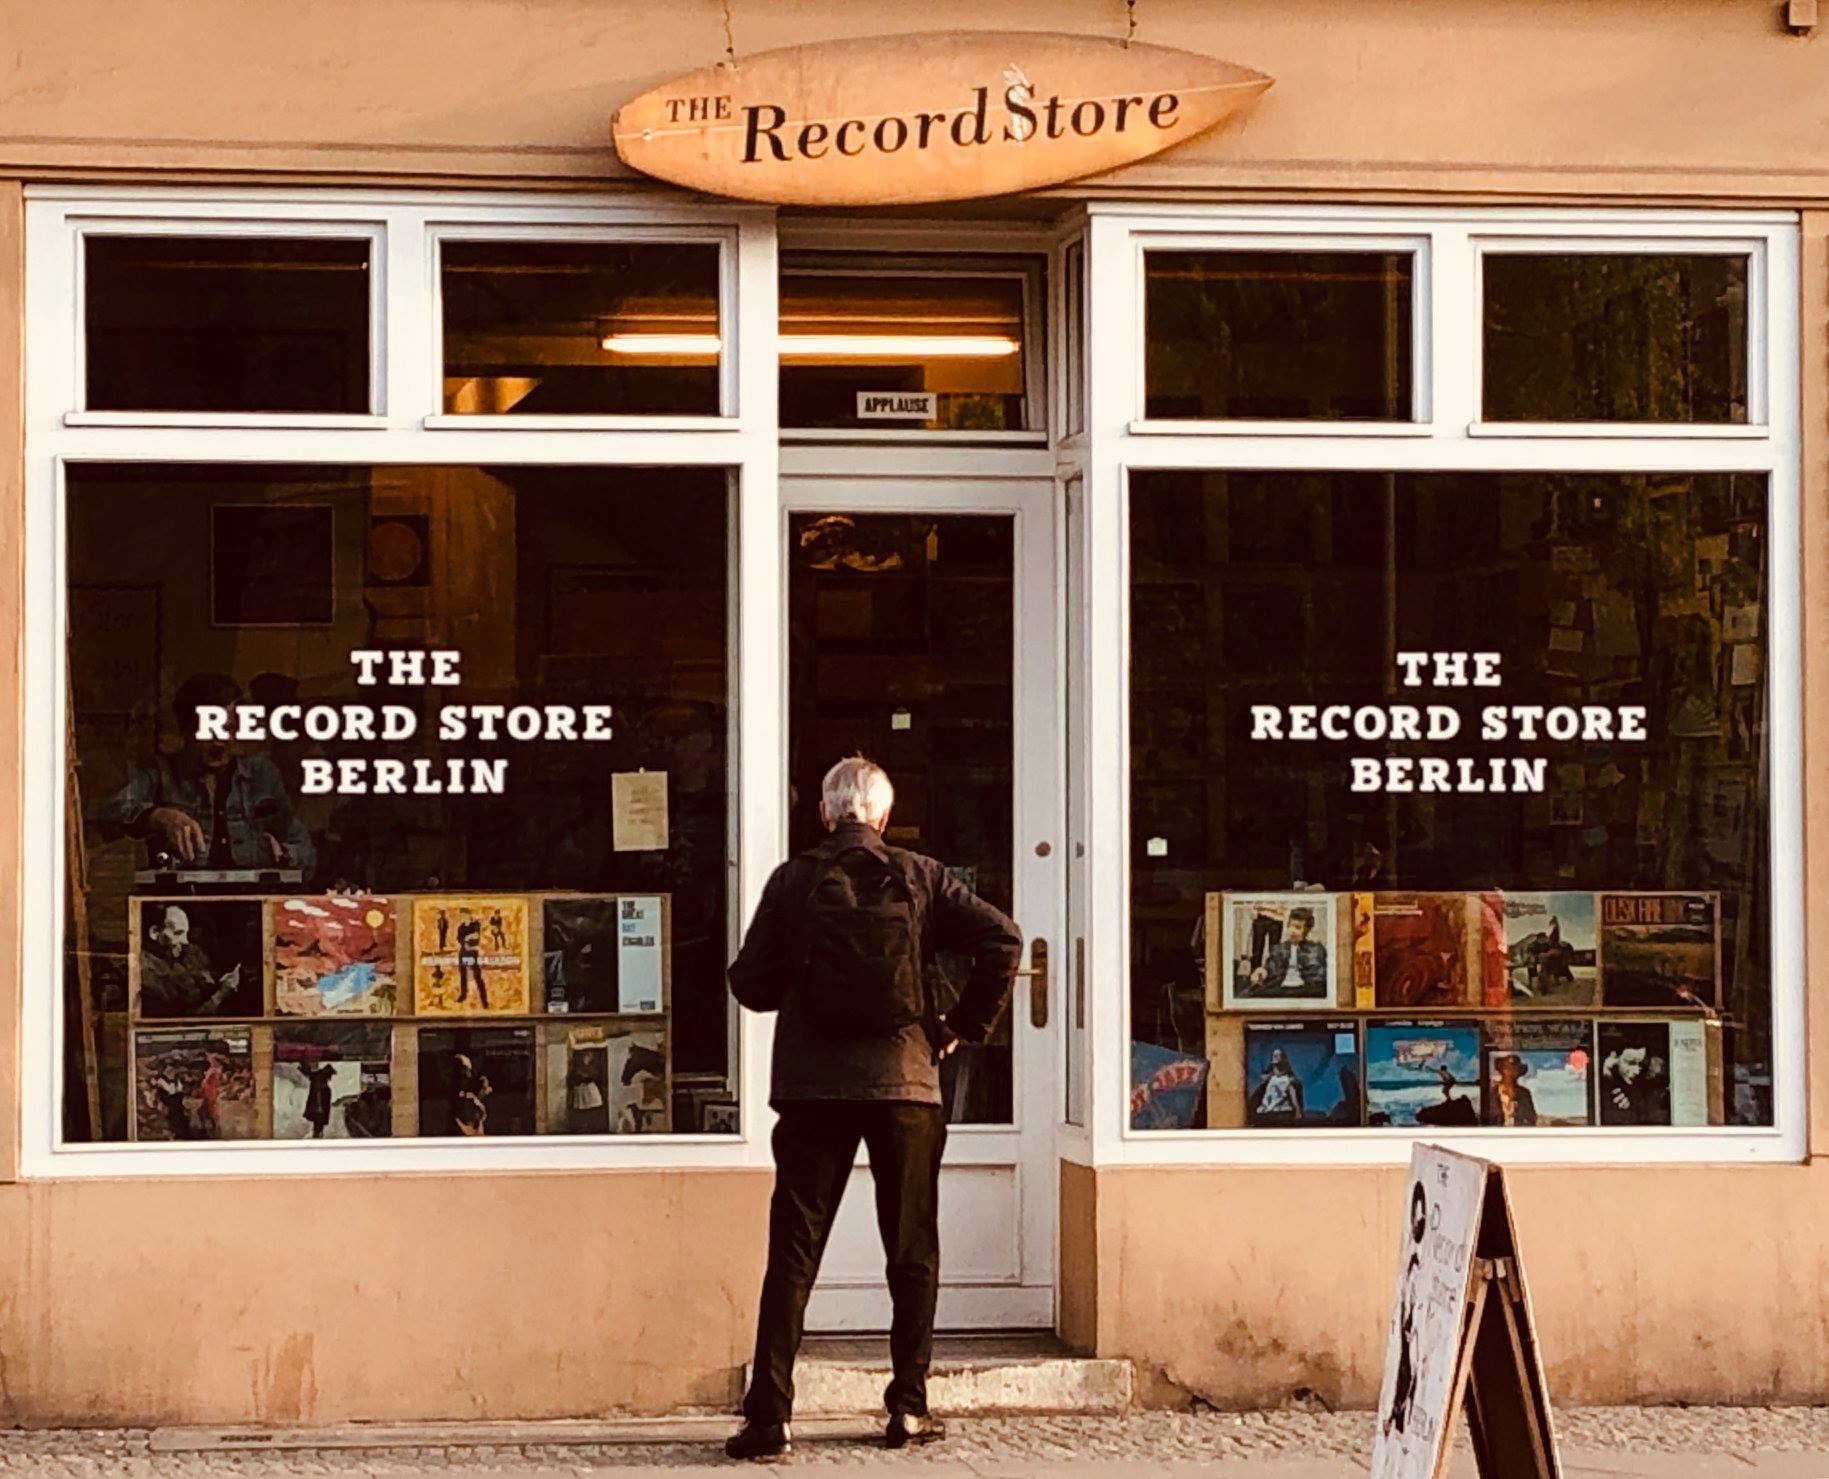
(193,1083)
(579,954)
(1278,951)
(1551,949)
(470,954)
(476,1081)
(1422,1073)
(198,957)
(1165,1087)
(334,954)
(1436,949)
(1652,1072)
(640,952)
(1302,1073)
(333,1081)
(1539,1072)
(606,1078)
(1660,949)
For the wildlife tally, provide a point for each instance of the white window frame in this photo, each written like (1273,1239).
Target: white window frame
(408,379)
(1028,269)
(724,238)
(1119,446)
(1294,242)
(372,232)
(1758,411)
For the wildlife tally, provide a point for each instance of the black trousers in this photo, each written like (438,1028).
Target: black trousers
(815,1144)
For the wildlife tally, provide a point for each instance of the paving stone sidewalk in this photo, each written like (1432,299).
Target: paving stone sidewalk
(1645,1443)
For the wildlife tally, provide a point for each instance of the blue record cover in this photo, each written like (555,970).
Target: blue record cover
(1422,1073)
(1302,1073)
(1165,1087)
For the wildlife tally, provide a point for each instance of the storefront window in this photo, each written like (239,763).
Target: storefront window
(537,328)
(399,802)
(892,350)
(1449,799)
(1615,336)
(1278,335)
(226,324)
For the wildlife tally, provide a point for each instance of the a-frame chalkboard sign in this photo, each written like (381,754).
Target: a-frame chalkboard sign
(1461,1332)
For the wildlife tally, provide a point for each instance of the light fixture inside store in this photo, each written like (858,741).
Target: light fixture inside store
(705,344)
(829,346)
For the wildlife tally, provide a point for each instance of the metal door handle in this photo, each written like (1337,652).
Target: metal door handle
(1038,982)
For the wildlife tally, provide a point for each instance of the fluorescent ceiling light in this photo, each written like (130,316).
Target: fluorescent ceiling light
(888,346)
(662,343)
(829,346)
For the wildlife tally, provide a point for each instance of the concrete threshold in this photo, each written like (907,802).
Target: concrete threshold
(971,1376)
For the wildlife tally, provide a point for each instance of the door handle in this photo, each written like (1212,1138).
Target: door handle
(1038,982)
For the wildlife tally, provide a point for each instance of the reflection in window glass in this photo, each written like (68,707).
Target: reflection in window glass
(226,323)
(901,640)
(887,350)
(481,893)
(1615,336)
(1274,336)
(1547,908)
(580,328)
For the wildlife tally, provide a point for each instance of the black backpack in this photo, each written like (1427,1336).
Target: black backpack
(861,958)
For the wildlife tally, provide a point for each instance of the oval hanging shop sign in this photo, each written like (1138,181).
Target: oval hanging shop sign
(893,120)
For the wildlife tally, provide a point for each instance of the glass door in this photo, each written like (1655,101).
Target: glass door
(920,634)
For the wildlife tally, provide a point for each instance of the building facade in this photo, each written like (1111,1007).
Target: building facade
(1346,584)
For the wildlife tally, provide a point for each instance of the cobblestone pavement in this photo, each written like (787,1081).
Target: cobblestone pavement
(1294,1445)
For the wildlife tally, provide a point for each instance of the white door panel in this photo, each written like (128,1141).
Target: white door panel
(997,1190)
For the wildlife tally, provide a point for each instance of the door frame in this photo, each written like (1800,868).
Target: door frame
(1027,1298)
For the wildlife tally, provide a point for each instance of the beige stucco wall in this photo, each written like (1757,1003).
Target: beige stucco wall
(1641,97)
(1649,1284)
(315,1299)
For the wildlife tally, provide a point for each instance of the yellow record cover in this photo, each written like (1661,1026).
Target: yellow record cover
(469,954)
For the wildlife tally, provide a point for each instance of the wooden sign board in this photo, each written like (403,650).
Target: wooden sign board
(950,115)
(1461,1331)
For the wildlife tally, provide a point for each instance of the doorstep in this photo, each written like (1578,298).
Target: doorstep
(971,1376)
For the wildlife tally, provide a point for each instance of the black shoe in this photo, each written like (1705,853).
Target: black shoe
(760,1440)
(905,1428)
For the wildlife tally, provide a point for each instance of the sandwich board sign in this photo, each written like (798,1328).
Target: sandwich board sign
(1461,1332)
(942,115)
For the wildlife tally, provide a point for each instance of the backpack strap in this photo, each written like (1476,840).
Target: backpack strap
(899,868)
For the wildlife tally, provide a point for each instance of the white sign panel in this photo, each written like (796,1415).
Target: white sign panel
(1429,1313)
(897,405)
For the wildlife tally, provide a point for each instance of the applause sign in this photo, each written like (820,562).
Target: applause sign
(896,120)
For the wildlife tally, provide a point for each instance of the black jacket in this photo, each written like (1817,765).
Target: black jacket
(811,1065)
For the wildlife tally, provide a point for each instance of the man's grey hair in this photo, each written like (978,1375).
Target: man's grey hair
(856,790)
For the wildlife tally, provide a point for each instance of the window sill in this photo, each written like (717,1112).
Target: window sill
(516,1153)
(445,422)
(228,420)
(1622,430)
(1282,428)
(913,434)
(1594,1145)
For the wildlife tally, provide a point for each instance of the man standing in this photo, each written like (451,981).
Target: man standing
(840,946)
(469,959)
